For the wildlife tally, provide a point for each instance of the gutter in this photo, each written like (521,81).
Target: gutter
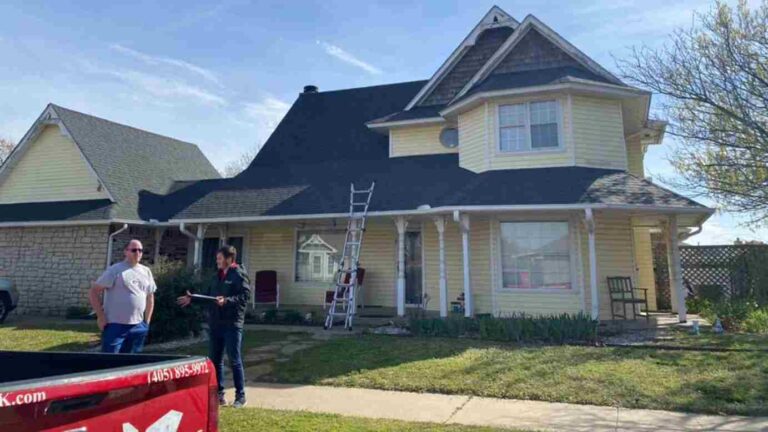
(451,209)
(109,245)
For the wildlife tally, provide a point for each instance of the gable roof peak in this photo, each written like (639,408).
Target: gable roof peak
(496,17)
(531,22)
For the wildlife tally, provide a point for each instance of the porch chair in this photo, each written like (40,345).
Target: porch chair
(360,277)
(266,290)
(623,293)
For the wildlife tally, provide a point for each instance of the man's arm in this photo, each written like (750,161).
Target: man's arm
(95,296)
(150,307)
(243,294)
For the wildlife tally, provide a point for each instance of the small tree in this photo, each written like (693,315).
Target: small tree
(6,146)
(714,77)
(241,163)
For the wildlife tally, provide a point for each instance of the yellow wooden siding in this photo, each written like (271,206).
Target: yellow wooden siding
(534,159)
(635,157)
(417,140)
(551,302)
(52,169)
(598,133)
(473,139)
(271,247)
(613,247)
(644,264)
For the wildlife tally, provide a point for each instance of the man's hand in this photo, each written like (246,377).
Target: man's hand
(101,321)
(184,300)
(220,301)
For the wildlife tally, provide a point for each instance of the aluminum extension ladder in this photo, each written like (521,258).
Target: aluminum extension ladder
(344,302)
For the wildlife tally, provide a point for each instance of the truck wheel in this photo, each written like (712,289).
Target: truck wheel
(5,307)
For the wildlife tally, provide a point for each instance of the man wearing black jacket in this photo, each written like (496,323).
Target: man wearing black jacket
(230,292)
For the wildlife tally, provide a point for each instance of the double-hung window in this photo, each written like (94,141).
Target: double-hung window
(535,255)
(530,126)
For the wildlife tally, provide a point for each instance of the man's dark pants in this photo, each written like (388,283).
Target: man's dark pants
(124,338)
(229,338)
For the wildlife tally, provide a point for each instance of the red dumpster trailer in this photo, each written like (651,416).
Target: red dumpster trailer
(84,392)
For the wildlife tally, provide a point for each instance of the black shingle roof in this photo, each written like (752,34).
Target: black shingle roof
(56,211)
(403,183)
(129,160)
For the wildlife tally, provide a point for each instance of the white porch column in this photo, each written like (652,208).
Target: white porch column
(223,235)
(401,223)
(675,270)
(440,223)
(589,220)
(463,220)
(158,238)
(201,228)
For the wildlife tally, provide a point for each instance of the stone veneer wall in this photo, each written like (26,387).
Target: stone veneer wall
(52,267)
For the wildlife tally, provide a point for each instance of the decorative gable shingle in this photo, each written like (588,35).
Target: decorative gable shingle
(486,45)
(534,51)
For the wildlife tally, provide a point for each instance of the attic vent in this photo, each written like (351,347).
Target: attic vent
(310,89)
(495,19)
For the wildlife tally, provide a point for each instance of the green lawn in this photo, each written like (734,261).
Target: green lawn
(696,381)
(43,335)
(734,382)
(254,419)
(707,338)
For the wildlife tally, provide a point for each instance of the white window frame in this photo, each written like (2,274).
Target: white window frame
(573,258)
(529,150)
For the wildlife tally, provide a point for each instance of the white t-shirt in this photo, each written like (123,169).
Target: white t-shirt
(125,299)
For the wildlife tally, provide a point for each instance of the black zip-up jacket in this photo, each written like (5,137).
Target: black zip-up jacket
(236,290)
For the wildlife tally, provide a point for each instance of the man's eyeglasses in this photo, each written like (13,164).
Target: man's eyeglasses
(136,250)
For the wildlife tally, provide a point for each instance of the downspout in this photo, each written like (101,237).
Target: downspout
(109,245)
(589,220)
(686,236)
(197,240)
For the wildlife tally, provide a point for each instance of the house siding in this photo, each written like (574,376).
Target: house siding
(473,139)
(644,265)
(598,133)
(53,169)
(417,140)
(635,155)
(614,252)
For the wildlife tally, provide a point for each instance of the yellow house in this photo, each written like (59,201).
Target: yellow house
(512,179)
(513,176)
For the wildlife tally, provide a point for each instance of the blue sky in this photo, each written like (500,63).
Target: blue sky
(222,75)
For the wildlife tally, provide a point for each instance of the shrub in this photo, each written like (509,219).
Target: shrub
(514,328)
(697,305)
(732,313)
(169,321)
(757,321)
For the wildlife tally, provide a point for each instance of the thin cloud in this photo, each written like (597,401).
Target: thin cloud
(158,86)
(348,58)
(156,60)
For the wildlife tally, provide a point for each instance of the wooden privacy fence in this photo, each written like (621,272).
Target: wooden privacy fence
(726,272)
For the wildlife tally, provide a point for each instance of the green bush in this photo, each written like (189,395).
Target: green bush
(732,313)
(757,321)
(697,305)
(169,321)
(514,328)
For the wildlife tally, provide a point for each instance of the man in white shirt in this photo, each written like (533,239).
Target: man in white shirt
(128,289)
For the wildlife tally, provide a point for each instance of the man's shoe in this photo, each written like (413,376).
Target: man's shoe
(222,400)
(240,402)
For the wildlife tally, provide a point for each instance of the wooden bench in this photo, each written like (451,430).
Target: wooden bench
(623,293)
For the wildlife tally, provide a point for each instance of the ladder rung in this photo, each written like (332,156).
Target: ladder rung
(361,191)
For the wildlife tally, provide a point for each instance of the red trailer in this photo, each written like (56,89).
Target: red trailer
(84,392)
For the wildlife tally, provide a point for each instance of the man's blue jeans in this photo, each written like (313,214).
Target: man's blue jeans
(227,338)
(124,338)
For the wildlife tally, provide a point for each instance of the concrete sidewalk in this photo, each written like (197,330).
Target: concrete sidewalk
(470,410)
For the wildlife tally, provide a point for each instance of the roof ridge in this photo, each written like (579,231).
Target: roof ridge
(367,87)
(124,125)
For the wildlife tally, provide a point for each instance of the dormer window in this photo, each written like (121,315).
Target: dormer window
(530,126)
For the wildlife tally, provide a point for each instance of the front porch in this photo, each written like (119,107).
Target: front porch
(500,263)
